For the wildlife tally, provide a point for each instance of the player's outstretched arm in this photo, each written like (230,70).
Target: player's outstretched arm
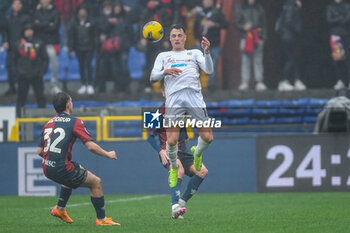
(96,149)
(205,43)
(205,62)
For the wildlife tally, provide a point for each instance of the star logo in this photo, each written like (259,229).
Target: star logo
(156,115)
(151,120)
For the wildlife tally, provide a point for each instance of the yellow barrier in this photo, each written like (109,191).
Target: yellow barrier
(14,137)
(106,138)
(106,119)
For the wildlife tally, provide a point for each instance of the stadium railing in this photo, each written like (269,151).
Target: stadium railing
(106,132)
(110,124)
(15,132)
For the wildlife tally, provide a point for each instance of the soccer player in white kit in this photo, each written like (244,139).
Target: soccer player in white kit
(180,69)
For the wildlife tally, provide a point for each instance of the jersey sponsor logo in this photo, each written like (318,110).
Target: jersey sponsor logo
(49,163)
(178,65)
(60,119)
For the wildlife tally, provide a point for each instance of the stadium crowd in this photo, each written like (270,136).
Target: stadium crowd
(104,29)
(109,31)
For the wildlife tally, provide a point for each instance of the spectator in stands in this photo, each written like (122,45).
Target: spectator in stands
(122,28)
(192,9)
(12,33)
(209,23)
(133,8)
(29,65)
(47,24)
(29,6)
(250,21)
(289,27)
(116,37)
(4,6)
(67,9)
(101,75)
(82,41)
(94,8)
(159,11)
(179,11)
(338,19)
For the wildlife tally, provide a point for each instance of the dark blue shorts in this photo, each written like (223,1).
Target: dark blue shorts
(186,160)
(71,179)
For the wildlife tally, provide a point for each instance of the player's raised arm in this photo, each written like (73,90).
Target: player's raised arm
(205,62)
(96,149)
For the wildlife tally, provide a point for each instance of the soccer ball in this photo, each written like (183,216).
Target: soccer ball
(153,31)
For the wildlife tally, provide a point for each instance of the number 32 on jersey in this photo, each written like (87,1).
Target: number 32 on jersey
(53,146)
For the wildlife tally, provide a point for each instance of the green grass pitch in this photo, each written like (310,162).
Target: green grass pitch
(218,213)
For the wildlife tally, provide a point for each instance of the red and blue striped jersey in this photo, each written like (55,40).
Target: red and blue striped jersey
(57,139)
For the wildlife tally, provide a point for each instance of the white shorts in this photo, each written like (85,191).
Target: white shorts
(185,103)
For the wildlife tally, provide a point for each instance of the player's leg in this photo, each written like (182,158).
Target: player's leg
(64,197)
(175,192)
(193,184)
(204,140)
(94,183)
(196,108)
(171,149)
(171,145)
(59,210)
(176,210)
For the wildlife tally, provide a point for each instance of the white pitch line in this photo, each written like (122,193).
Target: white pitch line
(117,200)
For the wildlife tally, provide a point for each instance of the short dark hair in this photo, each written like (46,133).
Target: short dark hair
(60,101)
(177,26)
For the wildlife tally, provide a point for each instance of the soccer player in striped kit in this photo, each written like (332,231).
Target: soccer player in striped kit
(55,147)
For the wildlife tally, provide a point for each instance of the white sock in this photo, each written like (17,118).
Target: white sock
(60,208)
(172,154)
(182,203)
(173,207)
(201,146)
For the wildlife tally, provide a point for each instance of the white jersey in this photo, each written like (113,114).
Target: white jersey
(189,61)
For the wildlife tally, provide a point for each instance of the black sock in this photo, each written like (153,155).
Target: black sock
(64,197)
(192,187)
(99,204)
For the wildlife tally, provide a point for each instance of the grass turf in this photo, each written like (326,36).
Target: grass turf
(281,212)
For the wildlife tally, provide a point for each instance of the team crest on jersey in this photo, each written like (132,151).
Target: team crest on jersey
(171,60)
(189,53)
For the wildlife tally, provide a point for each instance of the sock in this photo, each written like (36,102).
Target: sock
(201,146)
(182,203)
(175,192)
(172,154)
(99,204)
(64,197)
(192,187)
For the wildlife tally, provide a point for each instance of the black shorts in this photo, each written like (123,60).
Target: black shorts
(71,179)
(186,160)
